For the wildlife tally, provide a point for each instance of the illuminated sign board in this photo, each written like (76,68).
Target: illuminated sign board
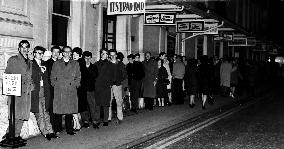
(190,26)
(117,7)
(159,18)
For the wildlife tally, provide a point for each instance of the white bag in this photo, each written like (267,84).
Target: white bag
(30,127)
(76,121)
(141,103)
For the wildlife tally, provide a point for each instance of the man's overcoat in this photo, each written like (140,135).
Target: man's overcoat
(37,75)
(104,82)
(65,79)
(151,75)
(18,65)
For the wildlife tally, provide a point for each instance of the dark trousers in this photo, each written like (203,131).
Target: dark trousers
(91,107)
(149,103)
(56,122)
(135,91)
(98,113)
(68,122)
(177,91)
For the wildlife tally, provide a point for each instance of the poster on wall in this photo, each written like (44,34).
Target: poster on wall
(122,7)
(159,18)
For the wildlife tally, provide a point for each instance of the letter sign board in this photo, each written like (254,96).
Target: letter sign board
(159,18)
(12,84)
(117,7)
(190,26)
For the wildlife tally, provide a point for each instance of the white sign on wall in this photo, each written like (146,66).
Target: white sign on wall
(12,84)
(117,7)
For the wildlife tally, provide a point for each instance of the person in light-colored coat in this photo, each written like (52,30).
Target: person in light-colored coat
(225,75)
(66,77)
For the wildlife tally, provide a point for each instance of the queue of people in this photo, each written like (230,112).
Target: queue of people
(84,92)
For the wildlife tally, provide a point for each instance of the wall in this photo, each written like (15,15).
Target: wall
(39,19)
(92,37)
(19,19)
(135,35)
(190,47)
(151,39)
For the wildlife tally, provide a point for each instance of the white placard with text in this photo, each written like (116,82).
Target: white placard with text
(12,84)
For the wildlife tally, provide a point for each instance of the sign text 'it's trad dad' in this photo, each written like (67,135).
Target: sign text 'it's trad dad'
(117,7)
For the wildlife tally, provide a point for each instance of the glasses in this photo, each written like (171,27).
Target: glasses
(67,52)
(40,53)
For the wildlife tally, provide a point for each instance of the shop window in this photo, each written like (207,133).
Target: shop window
(60,21)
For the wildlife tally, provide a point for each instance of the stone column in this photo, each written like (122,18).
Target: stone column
(221,51)
(205,45)
(122,34)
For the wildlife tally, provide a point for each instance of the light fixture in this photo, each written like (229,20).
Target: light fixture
(95,2)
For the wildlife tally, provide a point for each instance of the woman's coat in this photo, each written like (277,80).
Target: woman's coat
(225,74)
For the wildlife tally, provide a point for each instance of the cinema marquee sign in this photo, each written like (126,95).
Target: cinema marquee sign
(159,18)
(117,7)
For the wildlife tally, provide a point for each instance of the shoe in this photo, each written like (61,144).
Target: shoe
(76,130)
(192,105)
(20,139)
(86,125)
(71,133)
(96,125)
(105,124)
(109,121)
(57,133)
(5,136)
(203,107)
(54,136)
(134,111)
(48,137)
(119,122)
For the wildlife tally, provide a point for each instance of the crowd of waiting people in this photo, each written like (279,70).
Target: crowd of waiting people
(84,92)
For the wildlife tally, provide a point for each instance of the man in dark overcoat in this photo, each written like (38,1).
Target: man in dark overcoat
(150,80)
(65,78)
(103,85)
(20,64)
(55,119)
(135,86)
(91,75)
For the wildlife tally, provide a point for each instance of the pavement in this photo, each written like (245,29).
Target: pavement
(134,129)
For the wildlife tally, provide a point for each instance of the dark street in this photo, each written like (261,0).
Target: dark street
(259,126)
